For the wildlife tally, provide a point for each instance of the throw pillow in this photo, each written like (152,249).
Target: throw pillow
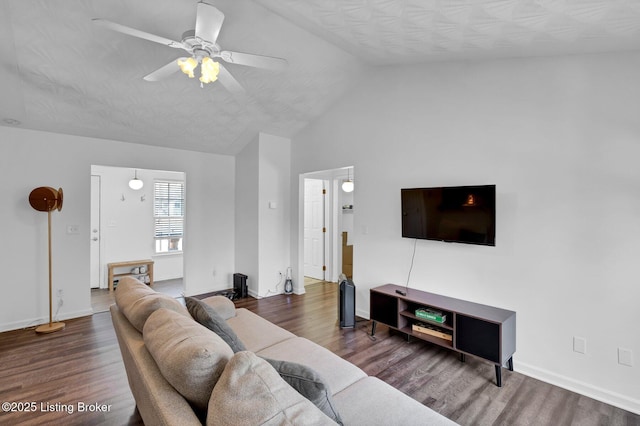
(309,384)
(190,357)
(250,392)
(137,301)
(207,316)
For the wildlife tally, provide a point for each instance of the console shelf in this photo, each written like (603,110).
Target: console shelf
(468,328)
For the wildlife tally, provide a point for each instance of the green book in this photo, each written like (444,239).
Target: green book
(431,315)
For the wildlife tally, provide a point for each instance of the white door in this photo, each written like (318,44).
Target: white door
(94,276)
(314,228)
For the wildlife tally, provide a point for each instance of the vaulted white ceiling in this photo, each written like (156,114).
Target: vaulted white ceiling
(61,73)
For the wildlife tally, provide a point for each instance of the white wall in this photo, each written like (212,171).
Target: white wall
(263,213)
(29,159)
(274,210)
(127,220)
(247,216)
(560,137)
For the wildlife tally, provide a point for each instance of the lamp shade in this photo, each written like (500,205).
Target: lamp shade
(347,185)
(136,183)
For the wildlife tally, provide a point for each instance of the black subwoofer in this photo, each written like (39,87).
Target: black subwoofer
(240,286)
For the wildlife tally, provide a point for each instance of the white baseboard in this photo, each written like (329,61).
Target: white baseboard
(362,313)
(44,320)
(608,397)
(253,294)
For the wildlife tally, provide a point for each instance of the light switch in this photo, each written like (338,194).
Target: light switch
(580,345)
(625,357)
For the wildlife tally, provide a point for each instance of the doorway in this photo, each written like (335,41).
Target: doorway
(124,227)
(331,212)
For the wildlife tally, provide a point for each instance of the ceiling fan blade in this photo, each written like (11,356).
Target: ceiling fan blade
(164,71)
(229,82)
(136,33)
(258,61)
(208,22)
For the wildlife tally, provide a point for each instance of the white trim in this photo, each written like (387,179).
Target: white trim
(608,397)
(362,314)
(169,253)
(44,320)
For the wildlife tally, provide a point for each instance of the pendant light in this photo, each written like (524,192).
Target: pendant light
(347,185)
(136,183)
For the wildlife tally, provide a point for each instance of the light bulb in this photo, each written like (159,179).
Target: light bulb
(209,70)
(187,66)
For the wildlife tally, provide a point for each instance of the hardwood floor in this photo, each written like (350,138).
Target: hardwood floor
(83,364)
(80,364)
(102,298)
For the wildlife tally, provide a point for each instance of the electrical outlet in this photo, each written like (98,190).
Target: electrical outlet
(579,345)
(625,357)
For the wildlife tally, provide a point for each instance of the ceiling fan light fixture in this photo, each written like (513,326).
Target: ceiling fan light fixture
(209,70)
(187,66)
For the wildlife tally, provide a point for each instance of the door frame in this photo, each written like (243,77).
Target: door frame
(99,227)
(333,239)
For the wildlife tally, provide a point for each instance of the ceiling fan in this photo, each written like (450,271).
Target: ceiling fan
(201,45)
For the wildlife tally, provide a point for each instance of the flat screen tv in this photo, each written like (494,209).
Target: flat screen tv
(461,214)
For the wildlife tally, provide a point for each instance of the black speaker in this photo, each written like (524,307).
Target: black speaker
(347,304)
(240,286)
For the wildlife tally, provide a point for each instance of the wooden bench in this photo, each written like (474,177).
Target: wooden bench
(129,264)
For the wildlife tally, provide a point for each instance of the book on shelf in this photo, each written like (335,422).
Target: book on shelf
(431,315)
(432,331)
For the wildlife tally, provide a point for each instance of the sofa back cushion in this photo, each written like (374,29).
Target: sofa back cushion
(190,357)
(223,306)
(309,384)
(137,301)
(250,392)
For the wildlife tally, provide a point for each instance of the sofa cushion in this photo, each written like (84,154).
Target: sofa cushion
(137,301)
(190,357)
(370,401)
(309,384)
(337,372)
(250,392)
(206,315)
(256,332)
(223,306)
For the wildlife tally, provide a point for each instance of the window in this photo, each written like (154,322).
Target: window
(168,213)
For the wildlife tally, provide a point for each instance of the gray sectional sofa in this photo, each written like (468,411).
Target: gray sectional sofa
(182,373)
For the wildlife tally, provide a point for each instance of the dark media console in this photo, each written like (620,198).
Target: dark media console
(468,328)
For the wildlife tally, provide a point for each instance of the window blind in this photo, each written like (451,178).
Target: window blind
(168,209)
